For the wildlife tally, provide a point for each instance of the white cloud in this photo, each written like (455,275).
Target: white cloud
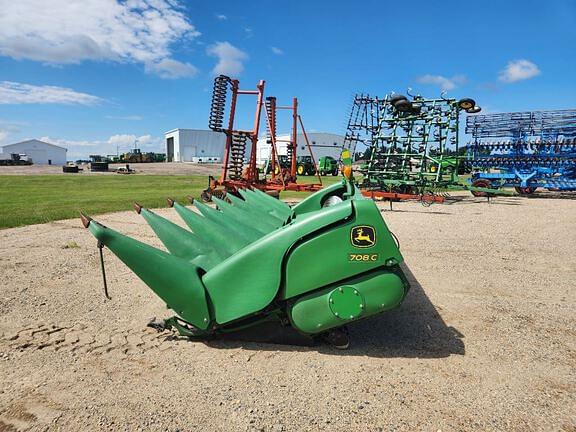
(277,50)
(3,136)
(444,83)
(64,32)
(128,141)
(70,143)
(19,93)
(171,69)
(122,142)
(221,17)
(229,57)
(518,70)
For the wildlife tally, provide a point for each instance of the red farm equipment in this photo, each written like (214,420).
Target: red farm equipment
(239,169)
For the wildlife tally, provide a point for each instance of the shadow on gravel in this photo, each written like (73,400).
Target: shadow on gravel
(553,195)
(413,330)
(500,200)
(430,212)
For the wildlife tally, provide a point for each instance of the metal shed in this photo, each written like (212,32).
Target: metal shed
(40,152)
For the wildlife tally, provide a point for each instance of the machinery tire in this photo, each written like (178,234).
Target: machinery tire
(525,191)
(403,105)
(466,103)
(483,183)
(221,194)
(273,194)
(276,170)
(332,200)
(335,172)
(395,98)
(416,109)
(311,172)
(300,170)
(206,195)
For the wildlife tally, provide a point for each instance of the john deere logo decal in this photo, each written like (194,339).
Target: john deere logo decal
(363,236)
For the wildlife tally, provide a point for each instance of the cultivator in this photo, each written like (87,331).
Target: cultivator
(255,268)
(412,145)
(524,150)
(236,173)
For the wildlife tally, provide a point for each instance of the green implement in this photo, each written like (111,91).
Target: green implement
(256,266)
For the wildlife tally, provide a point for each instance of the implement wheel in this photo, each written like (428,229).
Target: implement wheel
(300,170)
(395,98)
(525,190)
(466,103)
(206,195)
(481,183)
(403,105)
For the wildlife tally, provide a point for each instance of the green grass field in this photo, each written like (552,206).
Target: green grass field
(26,200)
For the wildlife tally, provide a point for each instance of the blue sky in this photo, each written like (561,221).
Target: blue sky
(94,74)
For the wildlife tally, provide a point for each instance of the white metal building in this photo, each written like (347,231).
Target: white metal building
(194,145)
(323,144)
(206,146)
(40,152)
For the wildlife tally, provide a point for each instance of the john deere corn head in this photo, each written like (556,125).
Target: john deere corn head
(257,266)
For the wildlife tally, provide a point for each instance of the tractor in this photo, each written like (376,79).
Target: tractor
(305,166)
(328,165)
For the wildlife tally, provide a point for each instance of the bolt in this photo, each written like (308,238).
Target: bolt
(382,305)
(336,313)
(361,306)
(340,289)
(351,316)
(331,300)
(205,319)
(356,292)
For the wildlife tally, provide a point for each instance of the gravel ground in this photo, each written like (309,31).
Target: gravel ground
(484,341)
(159,168)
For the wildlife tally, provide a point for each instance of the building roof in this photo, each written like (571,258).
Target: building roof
(34,141)
(190,130)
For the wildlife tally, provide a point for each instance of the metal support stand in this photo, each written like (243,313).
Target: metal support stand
(100,247)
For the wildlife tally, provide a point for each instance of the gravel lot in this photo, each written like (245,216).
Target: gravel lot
(486,339)
(158,168)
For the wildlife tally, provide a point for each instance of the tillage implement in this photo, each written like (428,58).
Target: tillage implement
(523,150)
(409,144)
(240,169)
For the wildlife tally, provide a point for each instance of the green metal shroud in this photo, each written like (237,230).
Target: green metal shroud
(316,266)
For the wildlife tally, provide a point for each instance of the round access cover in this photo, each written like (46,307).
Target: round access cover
(346,302)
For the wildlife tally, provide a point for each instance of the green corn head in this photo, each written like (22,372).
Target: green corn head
(254,260)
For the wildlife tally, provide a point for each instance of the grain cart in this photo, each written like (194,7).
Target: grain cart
(413,144)
(257,268)
(236,173)
(524,150)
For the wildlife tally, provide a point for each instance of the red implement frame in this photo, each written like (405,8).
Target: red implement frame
(393,196)
(286,179)
(230,180)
